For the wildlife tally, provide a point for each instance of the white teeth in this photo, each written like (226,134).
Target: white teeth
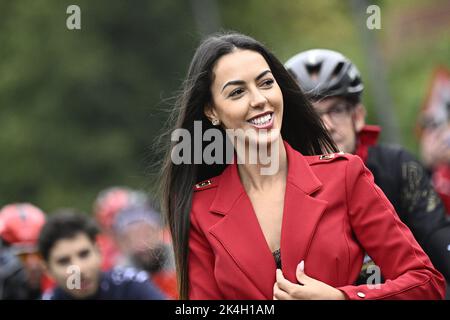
(262,120)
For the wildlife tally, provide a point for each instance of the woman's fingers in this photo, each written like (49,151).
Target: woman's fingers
(283,283)
(279,294)
(293,290)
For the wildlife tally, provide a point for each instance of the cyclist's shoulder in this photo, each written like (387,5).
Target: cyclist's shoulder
(394,152)
(121,275)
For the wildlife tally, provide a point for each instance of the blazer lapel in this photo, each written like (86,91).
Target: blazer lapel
(240,233)
(302,213)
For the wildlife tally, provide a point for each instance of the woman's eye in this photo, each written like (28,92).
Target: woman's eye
(267,82)
(236,92)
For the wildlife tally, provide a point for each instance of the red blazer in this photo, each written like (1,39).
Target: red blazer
(333,214)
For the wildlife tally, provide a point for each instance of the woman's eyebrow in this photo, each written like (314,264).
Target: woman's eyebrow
(232,82)
(236,82)
(262,74)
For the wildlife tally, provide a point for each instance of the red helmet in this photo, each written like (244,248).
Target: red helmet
(21,223)
(110,201)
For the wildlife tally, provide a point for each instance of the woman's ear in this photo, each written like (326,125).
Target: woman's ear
(209,112)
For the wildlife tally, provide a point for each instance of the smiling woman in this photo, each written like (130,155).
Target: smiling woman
(297,233)
(245,94)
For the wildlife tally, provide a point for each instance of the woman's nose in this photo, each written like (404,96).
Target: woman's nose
(258,99)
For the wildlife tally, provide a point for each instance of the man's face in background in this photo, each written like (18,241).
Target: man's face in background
(342,119)
(81,252)
(142,243)
(33,265)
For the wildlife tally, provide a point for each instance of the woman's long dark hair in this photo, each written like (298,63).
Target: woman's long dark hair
(301,128)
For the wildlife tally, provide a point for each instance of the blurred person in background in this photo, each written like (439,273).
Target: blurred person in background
(334,86)
(434,132)
(139,234)
(20,225)
(106,206)
(13,278)
(68,246)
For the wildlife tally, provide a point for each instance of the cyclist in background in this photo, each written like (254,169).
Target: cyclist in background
(106,206)
(21,224)
(334,86)
(139,234)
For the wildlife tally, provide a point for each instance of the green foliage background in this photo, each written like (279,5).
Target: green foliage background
(79,109)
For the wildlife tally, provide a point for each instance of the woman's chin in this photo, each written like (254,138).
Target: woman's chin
(265,142)
(257,143)
(268,137)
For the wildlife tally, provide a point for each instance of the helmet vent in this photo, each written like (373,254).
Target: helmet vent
(338,69)
(355,82)
(314,69)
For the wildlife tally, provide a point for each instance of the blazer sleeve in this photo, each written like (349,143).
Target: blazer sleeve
(407,270)
(202,284)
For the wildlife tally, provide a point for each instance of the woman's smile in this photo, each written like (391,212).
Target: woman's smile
(263,120)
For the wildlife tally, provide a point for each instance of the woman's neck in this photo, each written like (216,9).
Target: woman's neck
(257,176)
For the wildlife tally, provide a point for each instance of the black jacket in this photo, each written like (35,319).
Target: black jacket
(407,185)
(117,284)
(13,279)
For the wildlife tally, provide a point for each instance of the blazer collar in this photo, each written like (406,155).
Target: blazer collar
(241,235)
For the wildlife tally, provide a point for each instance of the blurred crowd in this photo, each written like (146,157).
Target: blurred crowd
(122,251)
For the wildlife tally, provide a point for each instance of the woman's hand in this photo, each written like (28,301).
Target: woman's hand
(308,289)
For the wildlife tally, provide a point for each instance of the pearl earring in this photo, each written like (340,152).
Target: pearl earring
(215,122)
